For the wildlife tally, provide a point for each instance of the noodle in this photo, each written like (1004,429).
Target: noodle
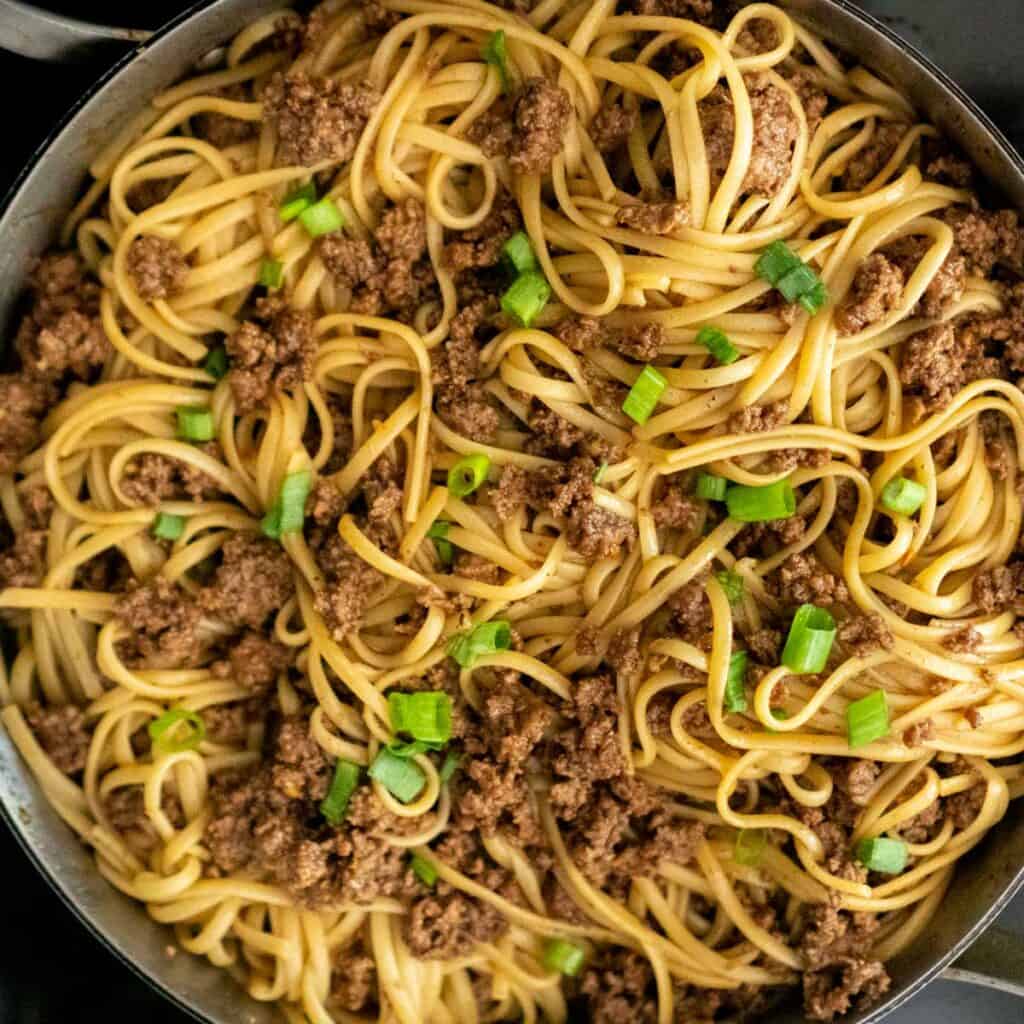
(197,669)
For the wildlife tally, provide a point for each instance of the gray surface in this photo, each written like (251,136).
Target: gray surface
(978,44)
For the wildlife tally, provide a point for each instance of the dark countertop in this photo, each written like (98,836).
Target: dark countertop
(51,969)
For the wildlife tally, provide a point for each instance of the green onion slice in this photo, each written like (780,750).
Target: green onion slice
(288,513)
(517,254)
(867,720)
(888,856)
(487,638)
(526,297)
(776,261)
(563,956)
(711,488)
(195,423)
(401,777)
(412,748)
(903,496)
(735,682)
(449,767)
(718,344)
(750,844)
(271,273)
(602,472)
(322,218)
(296,201)
(798,281)
(810,639)
(168,526)
(732,584)
(216,364)
(495,53)
(438,533)
(425,716)
(814,300)
(644,394)
(334,806)
(761,504)
(161,729)
(423,870)
(468,474)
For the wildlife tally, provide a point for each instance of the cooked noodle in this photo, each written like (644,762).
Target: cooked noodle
(616,679)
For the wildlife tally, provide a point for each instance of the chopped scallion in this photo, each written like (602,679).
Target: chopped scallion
(486,638)
(888,856)
(799,281)
(288,513)
(796,280)
(426,715)
(296,201)
(449,767)
(517,254)
(732,584)
(423,870)
(195,423)
(810,639)
(271,273)
(216,364)
(162,730)
(735,683)
(322,218)
(168,526)
(495,53)
(401,777)
(602,471)
(761,504)
(334,806)
(526,297)
(814,300)
(711,488)
(644,395)
(718,344)
(438,533)
(776,261)
(867,720)
(563,956)
(468,474)
(903,496)
(750,844)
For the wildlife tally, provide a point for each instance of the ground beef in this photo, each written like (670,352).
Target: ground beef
(597,533)
(677,510)
(765,644)
(157,267)
(317,118)
(153,478)
(611,125)
(450,924)
(229,723)
(866,163)
(766,539)
(987,239)
(480,247)
(221,130)
(963,641)
(856,778)
(654,218)
(831,935)
(553,436)
(162,621)
(24,402)
(624,653)
(125,809)
(785,460)
(876,291)
(62,333)
(618,985)
(833,992)
(700,11)
(918,733)
(23,563)
(803,579)
(945,288)
(354,975)
(691,612)
(775,132)
(1000,589)
(349,584)
(531,132)
(964,807)
(267,824)
(813,99)
(273,353)
(862,635)
(758,419)
(252,582)
(62,732)
(254,662)
(580,332)
(939,361)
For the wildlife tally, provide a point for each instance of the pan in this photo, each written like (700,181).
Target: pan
(959,945)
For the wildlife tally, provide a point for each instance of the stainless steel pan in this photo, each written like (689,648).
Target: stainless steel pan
(954,945)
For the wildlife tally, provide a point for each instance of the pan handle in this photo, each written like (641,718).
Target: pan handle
(995,960)
(43,35)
